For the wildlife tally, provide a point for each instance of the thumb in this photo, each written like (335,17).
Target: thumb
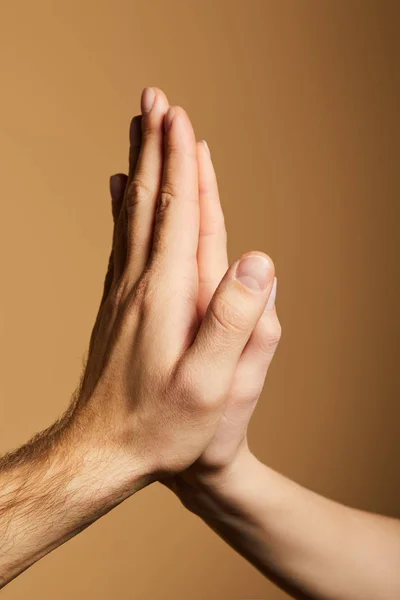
(232,314)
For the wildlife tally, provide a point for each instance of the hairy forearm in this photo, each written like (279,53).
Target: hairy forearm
(51,489)
(309,545)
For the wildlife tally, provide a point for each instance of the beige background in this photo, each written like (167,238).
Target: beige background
(299,103)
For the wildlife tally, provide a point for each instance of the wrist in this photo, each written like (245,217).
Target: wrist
(100,466)
(53,487)
(211,493)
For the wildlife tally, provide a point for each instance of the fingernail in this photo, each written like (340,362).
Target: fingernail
(206,145)
(169,118)
(148,98)
(271,300)
(135,131)
(254,272)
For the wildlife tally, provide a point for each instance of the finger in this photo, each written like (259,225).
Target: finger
(144,186)
(120,245)
(212,257)
(176,229)
(231,317)
(260,349)
(135,143)
(117,189)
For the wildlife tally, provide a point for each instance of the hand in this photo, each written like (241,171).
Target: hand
(161,365)
(251,364)
(157,376)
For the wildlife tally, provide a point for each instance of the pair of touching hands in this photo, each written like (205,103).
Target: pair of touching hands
(182,341)
(177,360)
(177,357)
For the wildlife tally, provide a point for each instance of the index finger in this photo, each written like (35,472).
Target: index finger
(176,227)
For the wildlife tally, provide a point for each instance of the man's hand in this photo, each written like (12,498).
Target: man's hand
(159,371)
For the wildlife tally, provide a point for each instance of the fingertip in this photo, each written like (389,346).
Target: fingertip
(255,270)
(176,114)
(169,117)
(117,185)
(153,100)
(179,132)
(206,172)
(161,95)
(272,296)
(203,148)
(147,100)
(206,146)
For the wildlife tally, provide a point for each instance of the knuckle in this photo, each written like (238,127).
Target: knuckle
(165,199)
(170,189)
(118,294)
(138,192)
(186,384)
(216,227)
(228,316)
(207,400)
(196,393)
(270,337)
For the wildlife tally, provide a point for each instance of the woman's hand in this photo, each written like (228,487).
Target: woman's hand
(310,546)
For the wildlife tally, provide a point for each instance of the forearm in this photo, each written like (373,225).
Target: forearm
(51,489)
(311,546)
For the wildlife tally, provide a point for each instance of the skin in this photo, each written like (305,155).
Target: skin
(157,376)
(177,360)
(307,544)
